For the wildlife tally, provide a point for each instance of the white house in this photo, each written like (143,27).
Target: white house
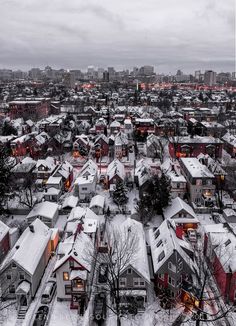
(73,269)
(97,204)
(46,211)
(23,267)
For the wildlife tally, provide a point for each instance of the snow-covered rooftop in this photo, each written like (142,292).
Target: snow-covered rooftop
(28,250)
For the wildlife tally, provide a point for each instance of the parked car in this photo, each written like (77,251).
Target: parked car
(192,235)
(41,316)
(100,308)
(49,291)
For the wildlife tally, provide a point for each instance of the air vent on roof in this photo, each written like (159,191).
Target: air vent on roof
(75,253)
(17,247)
(227,242)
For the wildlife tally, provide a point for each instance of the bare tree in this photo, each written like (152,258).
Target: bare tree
(121,245)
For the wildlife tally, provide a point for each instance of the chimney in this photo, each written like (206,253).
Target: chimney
(31,227)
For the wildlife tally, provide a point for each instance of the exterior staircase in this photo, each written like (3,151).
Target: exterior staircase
(21,313)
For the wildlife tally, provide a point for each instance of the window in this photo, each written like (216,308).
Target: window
(137,281)
(71,263)
(84,188)
(8,276)
(208,182)
(171,281)
(65,276)
(171,266)
(129,271)
(22,276)
(157,234)
(159,243)
(161,256)
(180,266)
(122,282)
(12,289)
(13,265)
(67,289)
(198,182)
(178,185)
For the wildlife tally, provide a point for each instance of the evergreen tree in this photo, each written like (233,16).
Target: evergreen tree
(8,129)
(120,194)
(155,198)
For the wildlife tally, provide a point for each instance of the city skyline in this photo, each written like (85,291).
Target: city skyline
(188,36)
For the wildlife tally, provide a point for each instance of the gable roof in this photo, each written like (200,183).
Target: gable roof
(177,205)
(29,248)
(77,248)
(46,209)
(164,242)
(140,260)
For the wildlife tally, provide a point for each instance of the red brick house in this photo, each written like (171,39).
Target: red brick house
(193,146)
(101,145)
(220,242)
(33,109)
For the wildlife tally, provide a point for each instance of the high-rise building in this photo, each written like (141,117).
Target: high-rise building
(179,72)
(197,74)
(210,77)
(146,70)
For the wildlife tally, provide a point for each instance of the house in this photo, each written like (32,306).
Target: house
(220,242)
(178,185)
(22,170)
(23,267)
(70,202)
(193,146)
(200,182)
(65,171)
(182,214)
(53,189)
(229,215)
(101,126)
(115,127)
(89,168)
(115,172)
(121,145)
(97,204)
(4,240)
(172,258)
(81,146)
(230,144)
(46,211)
(144,125)
(73,270)
(21,145)
(85,186)
(45,168)
(153,147)
(134,279)
(142,175)
(101,145)
(33,109)
(84,216)
(128,128)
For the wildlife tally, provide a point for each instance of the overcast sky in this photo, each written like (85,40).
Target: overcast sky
(73,34)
